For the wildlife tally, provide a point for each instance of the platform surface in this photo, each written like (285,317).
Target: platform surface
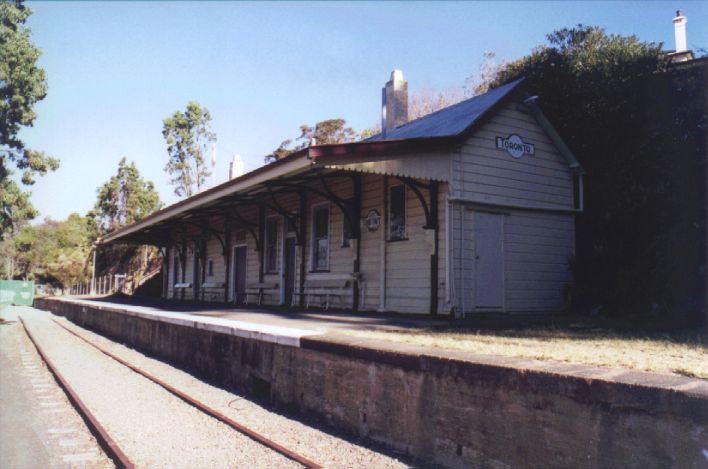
(281,325)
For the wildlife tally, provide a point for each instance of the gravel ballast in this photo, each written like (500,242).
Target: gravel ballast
(38,425)
(318,445)
(153,427)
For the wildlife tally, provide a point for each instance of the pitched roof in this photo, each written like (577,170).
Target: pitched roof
(451,120)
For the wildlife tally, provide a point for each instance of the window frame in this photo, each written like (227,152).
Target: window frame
(267,246)
(404,236)
(314,259)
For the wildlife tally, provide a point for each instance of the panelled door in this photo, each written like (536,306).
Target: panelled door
(489,260)
(289,271)
(239,278)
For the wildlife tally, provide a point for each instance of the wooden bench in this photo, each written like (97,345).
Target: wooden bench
(258,289)
(213,291)
(324,289)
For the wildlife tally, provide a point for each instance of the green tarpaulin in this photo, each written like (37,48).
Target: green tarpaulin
(16,292)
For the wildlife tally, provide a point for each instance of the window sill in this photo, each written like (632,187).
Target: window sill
(320,271)
(396,240)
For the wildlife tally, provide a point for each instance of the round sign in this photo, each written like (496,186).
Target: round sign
(515,146)
(372,221)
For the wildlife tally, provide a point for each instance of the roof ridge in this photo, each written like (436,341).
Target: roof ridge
(446,108)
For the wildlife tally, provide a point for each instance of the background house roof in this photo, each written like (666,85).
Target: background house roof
(451,120)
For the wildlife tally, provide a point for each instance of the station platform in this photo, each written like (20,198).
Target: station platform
(285,326)
(371,388)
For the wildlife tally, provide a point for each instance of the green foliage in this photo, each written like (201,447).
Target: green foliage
(54,252)
(22,85)
(324,132)
(15,207)
(615,100)
(125,198)
(187,135)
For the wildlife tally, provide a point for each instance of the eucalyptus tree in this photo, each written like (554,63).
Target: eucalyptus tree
(188,135)
(324,132)
(124,199)
(22,84)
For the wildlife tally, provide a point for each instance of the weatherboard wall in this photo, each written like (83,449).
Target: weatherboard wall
(407,262)
(534,195)
(485,174)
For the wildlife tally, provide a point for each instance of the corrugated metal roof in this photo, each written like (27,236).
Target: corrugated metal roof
(451,120)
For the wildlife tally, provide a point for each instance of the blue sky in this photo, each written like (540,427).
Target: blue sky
(115,70)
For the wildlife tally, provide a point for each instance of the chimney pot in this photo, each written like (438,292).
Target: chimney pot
(236,167)
(680,31)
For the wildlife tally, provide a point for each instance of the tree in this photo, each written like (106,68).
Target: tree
(614,101)
(488,71)
(125,198)
(426,101)
(54,252)
(15,207)
(324,132)
(188,135)
(22,85)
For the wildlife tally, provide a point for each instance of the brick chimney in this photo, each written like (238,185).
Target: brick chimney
(394,105)
(680,31)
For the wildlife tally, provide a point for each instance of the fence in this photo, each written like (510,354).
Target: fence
(104,285)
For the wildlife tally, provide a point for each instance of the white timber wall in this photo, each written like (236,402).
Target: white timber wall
(489,175)
(407,263)
(370,265)
(534,194)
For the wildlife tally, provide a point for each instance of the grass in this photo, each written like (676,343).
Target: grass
(679,352)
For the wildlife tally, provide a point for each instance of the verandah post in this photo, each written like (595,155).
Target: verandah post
(356,232)
(303,243)
(434,256)
(227,259)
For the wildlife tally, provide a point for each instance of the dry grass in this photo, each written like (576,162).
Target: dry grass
(684,353)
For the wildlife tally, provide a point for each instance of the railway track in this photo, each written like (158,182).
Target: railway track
(113,451)
(110,446)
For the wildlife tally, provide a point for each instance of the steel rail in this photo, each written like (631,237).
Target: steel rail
(111,448)
(203,407)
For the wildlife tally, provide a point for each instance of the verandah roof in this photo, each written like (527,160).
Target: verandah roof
(412,150)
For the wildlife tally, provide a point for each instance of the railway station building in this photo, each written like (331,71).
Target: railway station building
(469,209)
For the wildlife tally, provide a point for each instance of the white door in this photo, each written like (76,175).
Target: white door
(489,260)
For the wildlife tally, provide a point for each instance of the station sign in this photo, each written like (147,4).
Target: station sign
(515,146)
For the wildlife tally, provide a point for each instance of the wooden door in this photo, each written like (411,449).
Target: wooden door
(489,260)
(239,275)
(289,271)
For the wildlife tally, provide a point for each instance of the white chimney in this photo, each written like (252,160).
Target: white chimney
(235,167)
(680,31)
(394,102)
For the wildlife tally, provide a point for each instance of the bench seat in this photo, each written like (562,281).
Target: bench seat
(324,289)
(258,289)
